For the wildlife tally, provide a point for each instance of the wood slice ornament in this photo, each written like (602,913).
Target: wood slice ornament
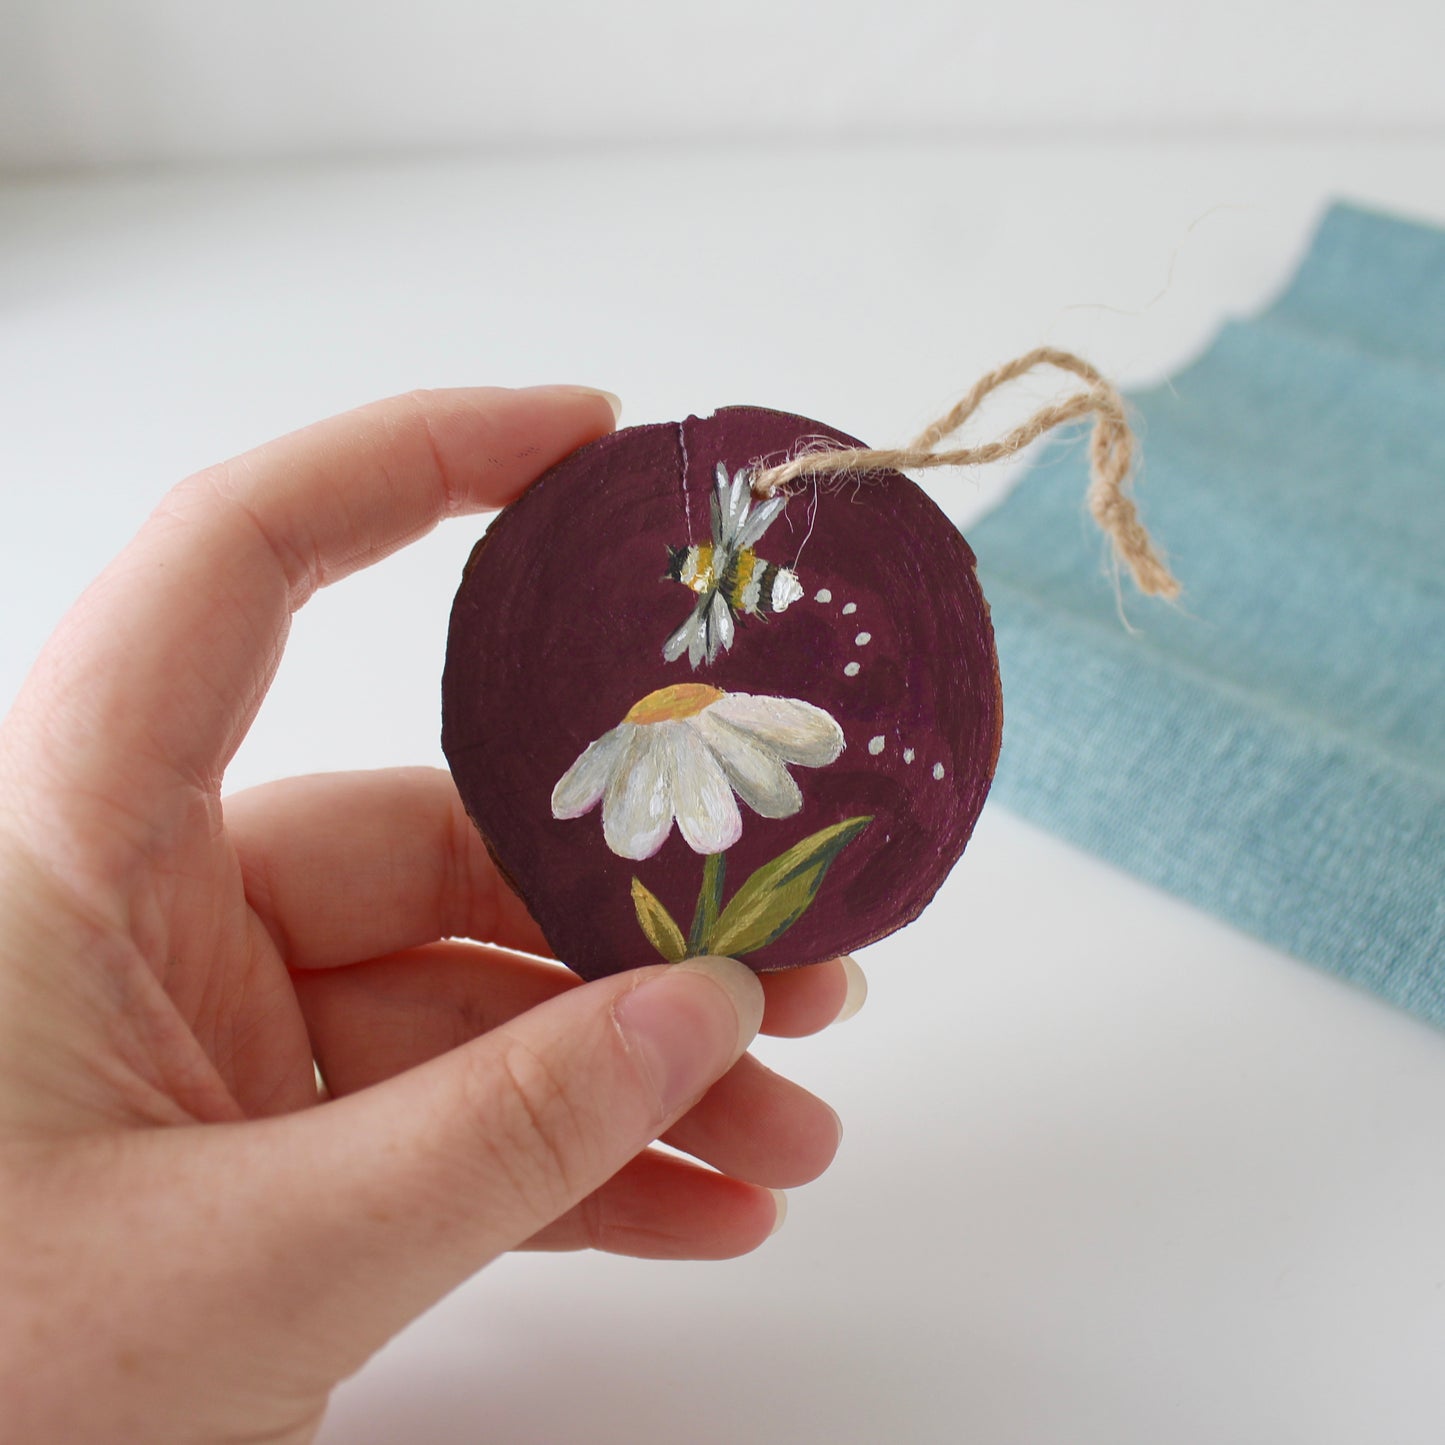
(729,685)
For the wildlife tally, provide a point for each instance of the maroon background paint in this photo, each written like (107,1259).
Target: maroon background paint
(558,628)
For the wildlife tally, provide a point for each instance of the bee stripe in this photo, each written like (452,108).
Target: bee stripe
(742,588)
(763,603)
(695,567)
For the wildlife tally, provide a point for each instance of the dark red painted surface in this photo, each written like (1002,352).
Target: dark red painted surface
(558,628)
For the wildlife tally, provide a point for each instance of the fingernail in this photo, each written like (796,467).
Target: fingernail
(689,1025)
(611,398)
(857,988)
(781,1200)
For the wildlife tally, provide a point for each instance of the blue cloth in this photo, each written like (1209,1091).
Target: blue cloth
(1273,748)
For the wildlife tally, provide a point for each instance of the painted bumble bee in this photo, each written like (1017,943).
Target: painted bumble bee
(729,577)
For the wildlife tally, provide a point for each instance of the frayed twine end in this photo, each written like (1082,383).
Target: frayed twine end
(1111,451)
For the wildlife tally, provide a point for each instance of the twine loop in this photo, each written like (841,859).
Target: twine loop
(1111,453)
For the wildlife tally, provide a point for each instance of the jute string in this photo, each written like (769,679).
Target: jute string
(1111,452)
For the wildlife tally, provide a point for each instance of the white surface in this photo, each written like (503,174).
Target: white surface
(93,82)
(1112,1172)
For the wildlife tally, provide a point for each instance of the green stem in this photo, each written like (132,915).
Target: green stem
(709,904)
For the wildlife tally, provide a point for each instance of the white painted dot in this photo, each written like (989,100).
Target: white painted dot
(938,770)
(908,755)
(852,670)
(824,595)
(875,746)
(863,639)
(849,608)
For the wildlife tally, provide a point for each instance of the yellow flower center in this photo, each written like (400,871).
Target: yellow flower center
(671,704)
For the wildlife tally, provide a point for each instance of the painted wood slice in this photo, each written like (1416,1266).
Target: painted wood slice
(686,721)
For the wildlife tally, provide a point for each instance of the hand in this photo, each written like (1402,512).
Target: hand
(192,1245)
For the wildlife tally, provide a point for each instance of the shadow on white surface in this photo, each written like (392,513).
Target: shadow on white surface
(1105,1178)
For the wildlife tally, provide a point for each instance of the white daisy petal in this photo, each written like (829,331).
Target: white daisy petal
(796,731)
(637,804)
(755,771)
(581,787)
(688,753)
(707,813)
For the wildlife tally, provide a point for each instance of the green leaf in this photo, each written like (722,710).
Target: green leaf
(662,933)
(709,901)
(779,893)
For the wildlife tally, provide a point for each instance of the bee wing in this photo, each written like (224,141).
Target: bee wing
(720,506)
(720,630)
(742,499)
(759,520)
(723,557)
(729,507)
(687,638)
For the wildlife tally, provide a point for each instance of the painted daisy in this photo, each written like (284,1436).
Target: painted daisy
(682,753)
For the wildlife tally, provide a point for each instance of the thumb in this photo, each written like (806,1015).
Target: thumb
(377,1204)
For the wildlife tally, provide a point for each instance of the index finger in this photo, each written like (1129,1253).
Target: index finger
(156,674)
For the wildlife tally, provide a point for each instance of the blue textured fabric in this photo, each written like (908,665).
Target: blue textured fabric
(1272,748)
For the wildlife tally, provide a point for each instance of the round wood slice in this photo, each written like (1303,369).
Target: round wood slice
(557,632)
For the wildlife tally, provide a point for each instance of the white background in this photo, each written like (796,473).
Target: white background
(94,81)
(1111,1172)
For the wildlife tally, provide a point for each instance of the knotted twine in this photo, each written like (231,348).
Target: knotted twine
(1111,452)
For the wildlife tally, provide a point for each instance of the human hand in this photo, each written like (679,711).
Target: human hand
(192,1246)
